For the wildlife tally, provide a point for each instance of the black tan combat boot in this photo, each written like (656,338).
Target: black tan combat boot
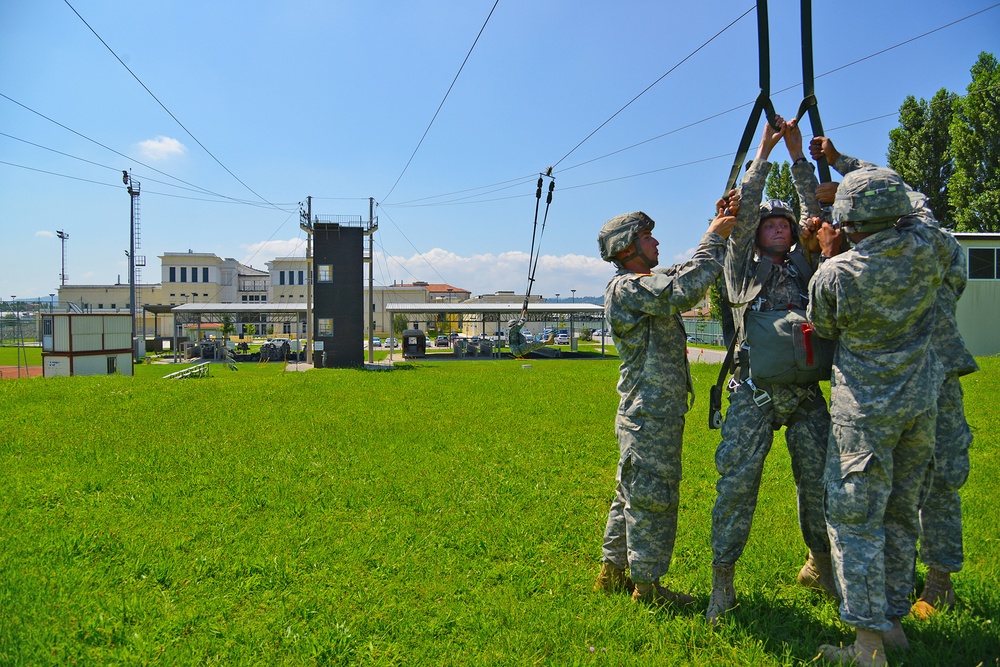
(938,594)
(723,596)
(866,651)
(896,637)
(817,573)
(654,594)
(612,579)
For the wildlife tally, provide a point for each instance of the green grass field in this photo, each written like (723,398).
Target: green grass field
(446,513)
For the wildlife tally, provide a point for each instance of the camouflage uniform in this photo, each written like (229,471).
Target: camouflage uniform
(941,512)
(644,313)
(748,430)
(879,297)
(519,345)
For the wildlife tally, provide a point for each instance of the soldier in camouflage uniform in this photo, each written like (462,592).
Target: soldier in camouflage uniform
(518,343)
(757,410)
(941,513)
(643,308)
(879,298)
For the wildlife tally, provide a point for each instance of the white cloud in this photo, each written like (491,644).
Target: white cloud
(488,272)
(160,148)
(258,254)
(46,233)
(484,273)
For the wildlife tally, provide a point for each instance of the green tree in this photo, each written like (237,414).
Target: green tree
(920,148)
(250,330)
(399,323)
(974,188)
(779,186)
(715,304)
(227,326)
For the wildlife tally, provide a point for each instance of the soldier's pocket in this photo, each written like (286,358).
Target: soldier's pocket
(848,496)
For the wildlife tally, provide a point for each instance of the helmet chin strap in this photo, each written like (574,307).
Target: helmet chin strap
(775,250)
(636,252)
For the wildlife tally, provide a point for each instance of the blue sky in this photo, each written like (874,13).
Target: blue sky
(330,99)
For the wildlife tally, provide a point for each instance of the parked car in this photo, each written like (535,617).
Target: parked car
(376,341)
(441,341)
(562,339)
(528,337)
(390,342)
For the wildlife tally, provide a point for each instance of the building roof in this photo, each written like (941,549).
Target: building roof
(510,308)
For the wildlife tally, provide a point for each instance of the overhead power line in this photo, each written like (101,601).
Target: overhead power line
(467,55)
(112,150)
(646,89)
(164,107)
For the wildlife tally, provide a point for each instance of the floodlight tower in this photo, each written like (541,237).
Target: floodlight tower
(62,237)
(133,190)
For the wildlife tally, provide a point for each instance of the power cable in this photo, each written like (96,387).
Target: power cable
(467,55)
(223,200)
(108,148)
(169,113)
(411,243)
(646,89)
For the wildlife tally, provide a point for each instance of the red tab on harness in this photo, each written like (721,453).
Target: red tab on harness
(807,331)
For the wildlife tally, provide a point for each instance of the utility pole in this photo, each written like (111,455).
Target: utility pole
(308,228)
(62,237)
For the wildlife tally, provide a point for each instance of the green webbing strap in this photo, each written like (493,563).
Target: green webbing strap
(763,102)
(809,103)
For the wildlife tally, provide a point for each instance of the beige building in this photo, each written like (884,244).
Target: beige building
(199,277)
(977,309)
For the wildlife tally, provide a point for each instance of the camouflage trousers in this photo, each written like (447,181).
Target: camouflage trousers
(941,513)
(642,522)
(874,477)
(747,435)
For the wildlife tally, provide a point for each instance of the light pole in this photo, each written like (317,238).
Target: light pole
(52,302)
(62,237)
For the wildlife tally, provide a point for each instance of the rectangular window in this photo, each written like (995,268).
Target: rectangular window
(324,326)
(173,274)
(100,306)
(184,274)
(204,274)
(281,277)
(984,264)
(194,274)
(324,273)
(302,276)
(112,365)
(113,306)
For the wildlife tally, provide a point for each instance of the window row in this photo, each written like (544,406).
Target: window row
(984,263)
(291,277)
(172,271)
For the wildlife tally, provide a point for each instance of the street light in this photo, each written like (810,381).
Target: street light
(574,296)
(52,301)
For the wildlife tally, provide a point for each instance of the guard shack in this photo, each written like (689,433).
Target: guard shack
(414,343)
(86,344)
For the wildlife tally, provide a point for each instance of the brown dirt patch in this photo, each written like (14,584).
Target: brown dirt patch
(10,372)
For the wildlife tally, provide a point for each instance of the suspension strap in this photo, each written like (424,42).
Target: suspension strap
(763,102)
(536,250)
(809,103)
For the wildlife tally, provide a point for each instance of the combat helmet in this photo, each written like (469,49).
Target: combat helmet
(776,208)
(620,233)
(871,199)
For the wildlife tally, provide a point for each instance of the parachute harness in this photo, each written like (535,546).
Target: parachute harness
(536,232)
(763,104)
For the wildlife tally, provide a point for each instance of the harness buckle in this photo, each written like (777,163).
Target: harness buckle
(760,397)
